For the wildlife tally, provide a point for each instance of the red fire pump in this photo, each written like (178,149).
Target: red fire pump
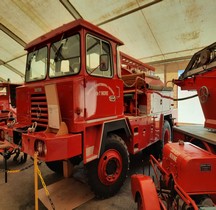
(184,180)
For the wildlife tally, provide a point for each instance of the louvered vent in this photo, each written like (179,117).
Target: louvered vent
(39,110)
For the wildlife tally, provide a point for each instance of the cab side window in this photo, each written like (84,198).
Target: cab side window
(95,50)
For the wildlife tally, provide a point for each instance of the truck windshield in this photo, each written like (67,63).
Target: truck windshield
(65,57)
(36,65)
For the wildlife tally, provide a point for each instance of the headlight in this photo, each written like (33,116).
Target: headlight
(40,147)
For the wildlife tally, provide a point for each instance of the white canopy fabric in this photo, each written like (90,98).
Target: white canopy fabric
(153,31)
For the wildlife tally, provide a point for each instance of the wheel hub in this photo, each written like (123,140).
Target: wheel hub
(110,167)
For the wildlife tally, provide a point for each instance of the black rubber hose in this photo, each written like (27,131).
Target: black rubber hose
(181,99)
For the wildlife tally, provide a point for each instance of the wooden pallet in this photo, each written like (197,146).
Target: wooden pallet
(66,194)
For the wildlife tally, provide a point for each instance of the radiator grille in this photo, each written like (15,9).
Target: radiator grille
(39,110)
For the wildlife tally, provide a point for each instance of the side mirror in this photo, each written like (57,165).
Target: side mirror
(104,62)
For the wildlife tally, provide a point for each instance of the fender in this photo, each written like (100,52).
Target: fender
(119,127)
(144,186)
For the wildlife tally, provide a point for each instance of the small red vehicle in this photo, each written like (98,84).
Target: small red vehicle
(83,100)
(185,180)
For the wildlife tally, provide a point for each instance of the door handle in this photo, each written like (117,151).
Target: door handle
(118,88)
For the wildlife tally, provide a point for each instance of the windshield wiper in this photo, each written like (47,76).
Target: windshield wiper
(58,53)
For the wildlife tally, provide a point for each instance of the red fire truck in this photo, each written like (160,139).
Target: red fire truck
(7,101)
(200,75)
(186,176)
(7,112)
(83,100)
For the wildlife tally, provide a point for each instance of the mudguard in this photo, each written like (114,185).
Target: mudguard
(144,187)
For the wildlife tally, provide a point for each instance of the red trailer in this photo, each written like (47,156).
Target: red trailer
(83,100)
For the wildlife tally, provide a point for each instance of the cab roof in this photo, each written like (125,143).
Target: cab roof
(80,23)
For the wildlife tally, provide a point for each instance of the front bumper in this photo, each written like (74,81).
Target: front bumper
(57,147)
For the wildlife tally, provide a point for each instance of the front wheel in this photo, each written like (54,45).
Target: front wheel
(107,174)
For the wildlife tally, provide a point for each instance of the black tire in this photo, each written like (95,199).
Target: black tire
(139,203)
(166,137)
(107,174)
(56,166)
(157,149)
(167,134)
(76,160)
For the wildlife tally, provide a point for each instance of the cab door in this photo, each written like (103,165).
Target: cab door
(102,91)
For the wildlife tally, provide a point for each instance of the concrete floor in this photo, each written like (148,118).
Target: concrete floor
(18,193)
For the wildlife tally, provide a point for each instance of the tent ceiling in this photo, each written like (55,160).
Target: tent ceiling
(152,30)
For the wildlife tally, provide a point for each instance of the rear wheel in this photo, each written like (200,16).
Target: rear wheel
(107,174)
(166,136)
